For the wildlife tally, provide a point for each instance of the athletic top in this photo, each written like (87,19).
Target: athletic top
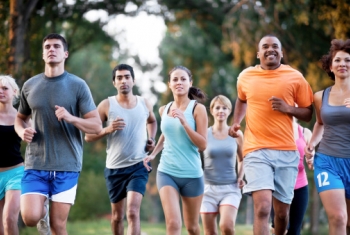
(301,143)
(180,157)
(336,136)
(266,128)
(57,145)
(10,144)
(127,147)
(220,160)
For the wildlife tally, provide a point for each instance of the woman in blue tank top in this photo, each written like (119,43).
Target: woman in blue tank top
(184,133)
(11,161)
(332,131)
(222,191)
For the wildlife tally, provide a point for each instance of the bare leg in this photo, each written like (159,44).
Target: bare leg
(11,212)
(281,216)
(191,207)
(58,217)
(133,212)
(348,213)
(117,217)
(209,223)
(170,203)
(32,208)
(228,215)
(335,206)
(262,207)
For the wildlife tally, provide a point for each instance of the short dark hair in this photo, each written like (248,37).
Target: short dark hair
(269,36)
(336,45)
(57,36)
(123,67)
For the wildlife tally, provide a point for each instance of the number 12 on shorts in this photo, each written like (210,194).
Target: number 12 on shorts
(322,179)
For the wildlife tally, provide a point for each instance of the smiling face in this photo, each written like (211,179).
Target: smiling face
(53,52)
(180,82)
(123,81)
(270,53)
(220,111)
(341,65)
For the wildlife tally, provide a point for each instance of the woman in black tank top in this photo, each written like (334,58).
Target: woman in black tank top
(11,161)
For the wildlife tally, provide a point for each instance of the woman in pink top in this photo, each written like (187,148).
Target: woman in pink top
(298,207)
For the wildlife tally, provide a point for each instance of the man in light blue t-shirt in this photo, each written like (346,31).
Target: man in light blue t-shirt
(60,106)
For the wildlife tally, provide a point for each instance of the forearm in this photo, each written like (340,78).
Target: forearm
(240,170)
(197,139)
(94,137)
(304,114)
(152,129)
(239,112)
(159,146)
(92,125)
(21,124)
(317,134)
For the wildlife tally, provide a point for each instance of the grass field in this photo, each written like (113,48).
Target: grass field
(102,227)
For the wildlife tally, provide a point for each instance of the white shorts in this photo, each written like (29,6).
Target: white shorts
(220,195)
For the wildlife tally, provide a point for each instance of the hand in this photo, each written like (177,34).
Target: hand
(62,114)
(240,183)
(117,124)
(233,131)
(27,134)
(278,104)
(347,102)
(150,144)
(146,160)
(309,155)
(177,113)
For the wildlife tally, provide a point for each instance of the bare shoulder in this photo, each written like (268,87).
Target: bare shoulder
(318,95)
(103,105)
(148,104)
(200,108)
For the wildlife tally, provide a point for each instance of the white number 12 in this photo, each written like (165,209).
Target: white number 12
(325,181)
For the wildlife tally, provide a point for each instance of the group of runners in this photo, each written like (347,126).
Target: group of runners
(56,108)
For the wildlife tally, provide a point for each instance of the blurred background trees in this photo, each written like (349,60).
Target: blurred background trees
(215,39)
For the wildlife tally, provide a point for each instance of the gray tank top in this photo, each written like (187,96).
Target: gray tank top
(336,136)
(220,160)
(127,147)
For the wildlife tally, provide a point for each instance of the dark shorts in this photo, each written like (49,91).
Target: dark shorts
(122,180)
(187,187)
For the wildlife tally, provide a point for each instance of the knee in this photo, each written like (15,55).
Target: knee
(173,225)
(227,228)
(10,221)
(30,220)
(117,218)
(132,214)
(263,209)
(193,229)
(338,219)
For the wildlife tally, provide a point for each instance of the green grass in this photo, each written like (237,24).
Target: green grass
(102,227)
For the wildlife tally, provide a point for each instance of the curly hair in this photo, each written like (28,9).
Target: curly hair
(326,60)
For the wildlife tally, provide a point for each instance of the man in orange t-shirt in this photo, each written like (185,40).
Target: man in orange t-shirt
(267,94)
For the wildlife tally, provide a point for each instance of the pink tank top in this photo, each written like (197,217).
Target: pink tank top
(301,178)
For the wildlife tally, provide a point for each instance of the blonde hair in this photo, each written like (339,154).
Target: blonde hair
(7,80)
(222,99)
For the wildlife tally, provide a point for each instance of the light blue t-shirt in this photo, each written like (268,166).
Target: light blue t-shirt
(180,157)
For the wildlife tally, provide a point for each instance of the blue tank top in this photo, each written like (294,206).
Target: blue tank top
(220,160)
(336,136)
(180,157)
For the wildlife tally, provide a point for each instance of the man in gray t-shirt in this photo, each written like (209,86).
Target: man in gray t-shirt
(61,107)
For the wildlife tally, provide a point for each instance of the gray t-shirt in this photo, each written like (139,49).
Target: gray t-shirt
(220,160)
(127,147)
(57,145)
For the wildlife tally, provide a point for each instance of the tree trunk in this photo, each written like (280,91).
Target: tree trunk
(20,13)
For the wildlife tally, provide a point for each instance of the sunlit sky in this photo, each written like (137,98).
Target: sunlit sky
(139,35)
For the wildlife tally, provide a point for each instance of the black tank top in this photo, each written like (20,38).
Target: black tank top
(10,144)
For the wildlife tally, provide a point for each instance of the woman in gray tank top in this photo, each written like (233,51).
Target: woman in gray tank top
(332,131)
(222,191)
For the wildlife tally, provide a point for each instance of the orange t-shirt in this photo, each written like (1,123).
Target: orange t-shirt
(266,128)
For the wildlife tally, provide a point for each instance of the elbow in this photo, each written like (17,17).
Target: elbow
(202,147)
(87,139)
